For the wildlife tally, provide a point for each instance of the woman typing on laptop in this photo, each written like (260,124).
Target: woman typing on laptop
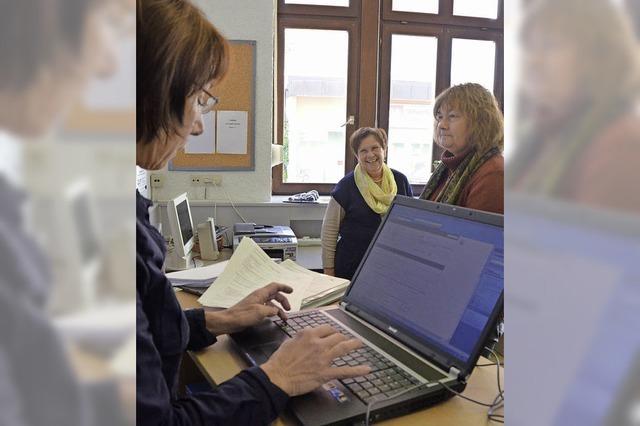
(180,56)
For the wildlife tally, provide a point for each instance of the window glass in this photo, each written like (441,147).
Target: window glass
(413,82)
(315,105)
(344,3)
(473,61)
(419,6)
(476,8)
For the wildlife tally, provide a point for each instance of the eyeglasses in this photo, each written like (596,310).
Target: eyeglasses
(207,105)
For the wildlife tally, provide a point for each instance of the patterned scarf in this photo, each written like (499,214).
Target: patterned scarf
(378,198)
(458,178)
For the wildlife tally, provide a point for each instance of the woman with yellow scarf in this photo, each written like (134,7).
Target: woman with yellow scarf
(358,202)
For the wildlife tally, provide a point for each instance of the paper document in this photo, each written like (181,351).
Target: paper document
(321,284)
(249,269)
(232,132)
(205,273)
(206,142)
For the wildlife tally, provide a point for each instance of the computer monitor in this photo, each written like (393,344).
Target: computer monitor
(182,230)
(79,251)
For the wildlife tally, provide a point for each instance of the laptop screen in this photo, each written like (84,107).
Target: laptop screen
(433,277)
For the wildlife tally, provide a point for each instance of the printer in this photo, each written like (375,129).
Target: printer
(279,242)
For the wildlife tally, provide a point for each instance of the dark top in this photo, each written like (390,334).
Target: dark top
(37,384)
(359,224)
(163,333)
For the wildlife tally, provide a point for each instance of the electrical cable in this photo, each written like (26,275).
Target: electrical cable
(498,401)
(455,392)
(495,355)
(233,205)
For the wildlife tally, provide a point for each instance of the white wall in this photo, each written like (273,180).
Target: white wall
(242,20)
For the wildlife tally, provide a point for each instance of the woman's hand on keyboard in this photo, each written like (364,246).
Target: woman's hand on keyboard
(251,310)
(303,363)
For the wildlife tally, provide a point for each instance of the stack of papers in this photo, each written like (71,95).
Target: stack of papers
(250,268)
(196,280)
(323,290)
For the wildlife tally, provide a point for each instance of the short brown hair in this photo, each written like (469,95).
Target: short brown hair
(178,52)
(359,135)
(480,108)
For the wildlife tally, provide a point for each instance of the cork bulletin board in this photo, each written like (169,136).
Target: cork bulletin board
(236,92)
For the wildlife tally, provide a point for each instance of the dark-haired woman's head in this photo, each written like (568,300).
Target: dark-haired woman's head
(180,55)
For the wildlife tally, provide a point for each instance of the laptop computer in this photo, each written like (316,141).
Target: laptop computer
(423,300)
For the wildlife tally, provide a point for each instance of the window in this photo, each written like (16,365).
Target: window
(479,8)
(420,6)
(342,65)
(315,104)
(412,91)
(344,3)
(473,61)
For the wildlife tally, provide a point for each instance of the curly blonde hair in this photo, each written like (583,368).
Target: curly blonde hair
(480,108)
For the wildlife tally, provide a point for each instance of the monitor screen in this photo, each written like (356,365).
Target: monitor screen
(184,220)
(433,277)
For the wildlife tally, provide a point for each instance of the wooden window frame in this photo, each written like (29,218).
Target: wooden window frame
(371,24)
(305,22)
(445,27)
(445,16)
(352,11)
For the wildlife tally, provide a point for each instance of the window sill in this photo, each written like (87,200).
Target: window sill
(276,200)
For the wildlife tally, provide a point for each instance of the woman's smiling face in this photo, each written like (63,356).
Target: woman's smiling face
(371,156)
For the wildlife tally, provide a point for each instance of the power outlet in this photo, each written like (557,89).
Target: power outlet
(157,181)
(197,180)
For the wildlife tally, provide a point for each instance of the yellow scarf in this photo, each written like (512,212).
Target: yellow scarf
(378,198)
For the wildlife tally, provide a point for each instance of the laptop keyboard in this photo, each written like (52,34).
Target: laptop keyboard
(385,379)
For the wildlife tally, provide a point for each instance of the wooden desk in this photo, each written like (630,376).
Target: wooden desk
(221,362)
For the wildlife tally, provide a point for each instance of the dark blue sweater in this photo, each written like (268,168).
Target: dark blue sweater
(163,333)
(359,224)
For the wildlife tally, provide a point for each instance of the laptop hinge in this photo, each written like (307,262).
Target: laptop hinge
(455,373)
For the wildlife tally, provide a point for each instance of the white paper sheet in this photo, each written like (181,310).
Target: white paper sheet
(249,269)
(203,273)
(206,142)
(232,132)
(320,283)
